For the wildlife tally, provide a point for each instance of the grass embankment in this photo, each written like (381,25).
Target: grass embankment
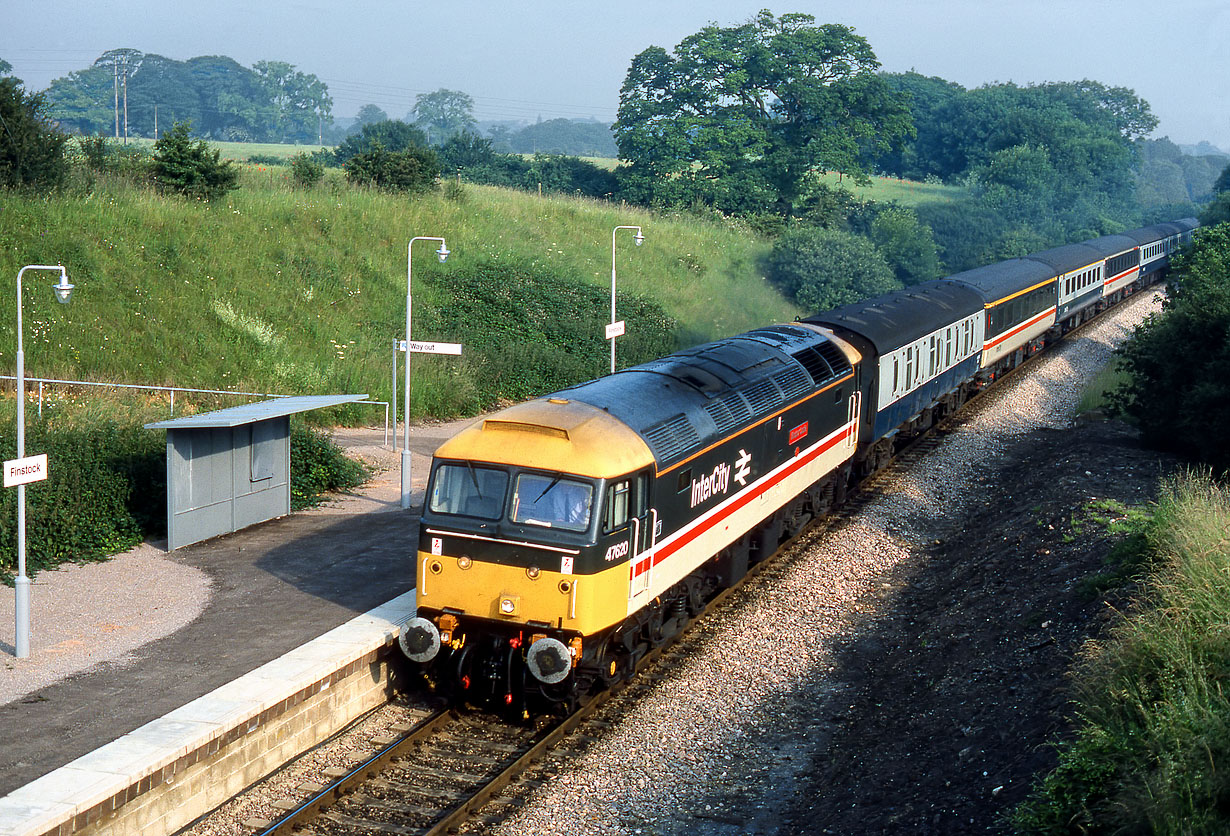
(1152,736)
(302,291)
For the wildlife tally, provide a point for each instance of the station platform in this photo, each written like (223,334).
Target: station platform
(292,606)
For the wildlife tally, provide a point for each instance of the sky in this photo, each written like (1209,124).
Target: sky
(544,59)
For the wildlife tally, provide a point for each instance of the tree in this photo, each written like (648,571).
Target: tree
(391,135)
(1222,183)
(369,114)
(576,137)
(444,113)
(300,101)
(234,104)
(5,67)
(191,168)
(771,101)
(821,269)
(1178,362)
(411,171)
(906,244)
(31,149)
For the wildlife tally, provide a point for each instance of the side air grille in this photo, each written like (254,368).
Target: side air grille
(835,357)
(672,438)
(763,396)
(812,360)
(794,383)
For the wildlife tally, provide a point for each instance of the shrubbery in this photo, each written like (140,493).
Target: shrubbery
(31,148)
(821,269)
(107,487)
(191,168)
(536,330)
(318,466)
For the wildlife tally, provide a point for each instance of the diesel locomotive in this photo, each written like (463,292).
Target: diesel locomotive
(564,538)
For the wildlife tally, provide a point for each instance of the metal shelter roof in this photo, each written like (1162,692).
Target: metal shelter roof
(249,413)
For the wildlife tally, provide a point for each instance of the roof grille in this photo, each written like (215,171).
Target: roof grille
(794,382)
(835,357)
(672,438)
(763,396)
(815,364)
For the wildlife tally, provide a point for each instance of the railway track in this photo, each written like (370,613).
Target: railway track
(441,771)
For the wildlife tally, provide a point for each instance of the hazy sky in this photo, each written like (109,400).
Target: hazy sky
(551,58)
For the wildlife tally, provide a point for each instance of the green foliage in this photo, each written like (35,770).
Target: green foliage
(906,245)
(391,135)
(740,117)
(306,169)
(823,269)
(191,168)
(412,171)
(1218,210)
(444,113)
(1179,361)
(225,101)
(538,329)
(31,148)
(1222,183)
(574,137)
(318,466)
(106,490)
(1152,716)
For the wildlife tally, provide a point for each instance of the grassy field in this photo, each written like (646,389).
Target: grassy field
(300,291)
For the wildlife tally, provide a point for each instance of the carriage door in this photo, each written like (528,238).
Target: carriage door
(643,535)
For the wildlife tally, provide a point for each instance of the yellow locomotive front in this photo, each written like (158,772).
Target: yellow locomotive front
(522,569)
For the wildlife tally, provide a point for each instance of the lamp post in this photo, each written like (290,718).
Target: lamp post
(442,254)
(22,586)
(640,239)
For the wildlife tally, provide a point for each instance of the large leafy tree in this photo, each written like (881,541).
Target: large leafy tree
(443,114)
(1179,361)
(31,149)
(759,106)
(301,102)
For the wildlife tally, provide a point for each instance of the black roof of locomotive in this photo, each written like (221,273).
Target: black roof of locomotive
(993,282)
(901,317)
(1069,257)
(686,401)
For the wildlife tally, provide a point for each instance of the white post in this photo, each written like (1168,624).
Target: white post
(639,240)
(21,644)
(442,254)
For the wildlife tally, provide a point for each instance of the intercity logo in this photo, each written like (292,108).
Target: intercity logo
(718,482)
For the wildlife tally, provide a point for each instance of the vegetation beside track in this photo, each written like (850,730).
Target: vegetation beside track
(1152,713)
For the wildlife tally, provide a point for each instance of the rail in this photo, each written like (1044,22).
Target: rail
(172,390)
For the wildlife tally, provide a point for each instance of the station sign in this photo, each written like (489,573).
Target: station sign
(430,348)
(24,471)
(615,329)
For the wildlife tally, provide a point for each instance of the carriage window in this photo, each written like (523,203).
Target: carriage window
(468,490)
(552,501)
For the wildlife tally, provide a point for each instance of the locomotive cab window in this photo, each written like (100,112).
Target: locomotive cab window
(552,501)
(468,490)
(625,499)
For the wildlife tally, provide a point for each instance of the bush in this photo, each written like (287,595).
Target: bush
(317,466)
(411,171)
(106,491)
(822,269)
(391,135)
(306,170)
(1178,362)
(1152,713)
(530,330)
(31,148)
(191,168)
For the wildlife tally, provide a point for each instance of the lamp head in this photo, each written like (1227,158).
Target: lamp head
(443,253)
(63,290)
(639,239)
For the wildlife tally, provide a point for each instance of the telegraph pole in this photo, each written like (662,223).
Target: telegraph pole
(115,68)
(125,99)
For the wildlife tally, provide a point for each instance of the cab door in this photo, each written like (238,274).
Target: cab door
(627,515)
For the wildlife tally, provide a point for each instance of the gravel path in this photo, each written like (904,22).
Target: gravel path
(718,748)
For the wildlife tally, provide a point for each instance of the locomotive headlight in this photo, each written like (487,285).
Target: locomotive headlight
(464,562)
(509,604)
(533,572)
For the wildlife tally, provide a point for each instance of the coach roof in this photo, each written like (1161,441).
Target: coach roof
(901,317)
